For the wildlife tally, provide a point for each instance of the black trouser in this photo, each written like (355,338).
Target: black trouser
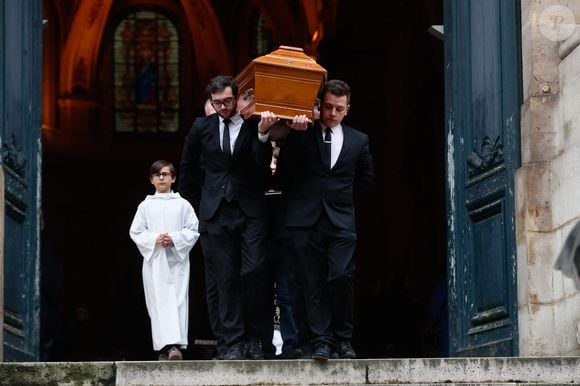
(233,247)
(326,270)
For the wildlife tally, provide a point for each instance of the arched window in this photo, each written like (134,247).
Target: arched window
(146,74)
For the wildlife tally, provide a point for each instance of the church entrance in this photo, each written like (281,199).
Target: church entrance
(395,69)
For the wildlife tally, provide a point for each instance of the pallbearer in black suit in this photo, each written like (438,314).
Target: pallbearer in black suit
(223,172)
(323,165)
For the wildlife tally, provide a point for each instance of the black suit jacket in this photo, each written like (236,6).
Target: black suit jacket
(204,170)
(310,186)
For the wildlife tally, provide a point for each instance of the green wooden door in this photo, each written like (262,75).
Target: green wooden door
(482,102)
(20,69)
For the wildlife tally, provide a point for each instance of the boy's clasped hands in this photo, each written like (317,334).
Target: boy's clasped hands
(164,240)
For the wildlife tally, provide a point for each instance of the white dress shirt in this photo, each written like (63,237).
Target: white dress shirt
(337,140)
(235,125)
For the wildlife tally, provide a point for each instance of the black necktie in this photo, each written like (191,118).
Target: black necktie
(327,146)
(226,139)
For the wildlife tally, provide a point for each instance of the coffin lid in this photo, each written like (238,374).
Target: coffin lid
(288,56)
(285,82)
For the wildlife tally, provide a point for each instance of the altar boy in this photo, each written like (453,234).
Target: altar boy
(165,228)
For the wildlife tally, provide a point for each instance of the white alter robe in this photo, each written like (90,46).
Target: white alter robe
(166,270)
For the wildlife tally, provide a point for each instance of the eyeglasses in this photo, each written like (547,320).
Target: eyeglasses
(162,174)
(228,102)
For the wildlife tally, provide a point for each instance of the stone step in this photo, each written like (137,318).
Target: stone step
(432,371)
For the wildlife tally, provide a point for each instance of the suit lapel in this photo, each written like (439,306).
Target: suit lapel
(347,143)
(213,129)
(242,135)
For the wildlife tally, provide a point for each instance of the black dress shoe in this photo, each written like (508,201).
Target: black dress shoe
(321,352)
(220,351)
(291,352)
(269,351)
(269,356)
(234,353)
(345,350)
(254,350)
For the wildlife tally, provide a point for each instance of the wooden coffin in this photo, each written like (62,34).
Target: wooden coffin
(285,82)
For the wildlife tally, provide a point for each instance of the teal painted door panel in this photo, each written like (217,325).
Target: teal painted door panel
(482,102)
(20,69)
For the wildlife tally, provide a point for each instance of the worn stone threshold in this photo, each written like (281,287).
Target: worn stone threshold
(432,371)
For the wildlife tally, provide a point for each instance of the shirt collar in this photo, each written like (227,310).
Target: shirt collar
(333,129)
(236,119)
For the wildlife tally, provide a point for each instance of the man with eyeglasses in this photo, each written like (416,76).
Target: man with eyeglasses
(227,191)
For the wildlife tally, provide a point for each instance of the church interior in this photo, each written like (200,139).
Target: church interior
(99,137)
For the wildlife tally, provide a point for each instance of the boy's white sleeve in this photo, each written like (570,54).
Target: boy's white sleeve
(184,240)
(144,239)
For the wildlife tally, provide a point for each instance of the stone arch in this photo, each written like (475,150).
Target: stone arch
(81,50)
(211,55)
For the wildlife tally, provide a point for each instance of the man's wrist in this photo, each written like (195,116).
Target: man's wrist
(263,137)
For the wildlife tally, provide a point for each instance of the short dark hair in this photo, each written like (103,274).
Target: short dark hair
(336,87)
(220,82)
(160,164)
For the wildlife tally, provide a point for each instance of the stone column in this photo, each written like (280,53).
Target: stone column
(548,181)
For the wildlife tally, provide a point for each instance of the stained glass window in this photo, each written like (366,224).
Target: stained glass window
(146,74)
